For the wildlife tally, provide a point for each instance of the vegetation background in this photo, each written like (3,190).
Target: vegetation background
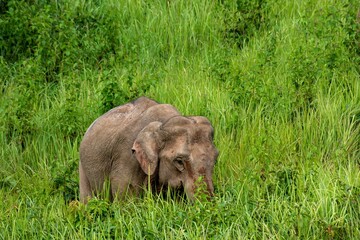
(278,79)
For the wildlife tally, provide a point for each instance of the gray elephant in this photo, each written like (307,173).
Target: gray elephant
(142,143)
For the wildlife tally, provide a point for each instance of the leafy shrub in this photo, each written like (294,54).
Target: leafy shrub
(19,93)
(242,20)
(59,35)
(119,90)
(65,181)
(52,40)
(286,75)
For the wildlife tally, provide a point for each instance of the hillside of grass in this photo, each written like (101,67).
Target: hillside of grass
(279,81)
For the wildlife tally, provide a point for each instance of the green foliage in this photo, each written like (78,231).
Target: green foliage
(293,62)
(279,80)
(114,92)
(242,20)
(65,181)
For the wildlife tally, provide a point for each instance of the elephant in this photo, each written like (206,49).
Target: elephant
(145,144)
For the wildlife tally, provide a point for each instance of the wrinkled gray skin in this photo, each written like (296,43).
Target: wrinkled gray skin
(140,139)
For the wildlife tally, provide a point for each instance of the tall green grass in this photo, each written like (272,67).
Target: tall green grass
(279,80)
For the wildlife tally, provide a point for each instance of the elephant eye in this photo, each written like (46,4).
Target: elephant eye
(179,161)
(179,164)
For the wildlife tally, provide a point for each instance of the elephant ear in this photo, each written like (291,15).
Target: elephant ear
(146,147)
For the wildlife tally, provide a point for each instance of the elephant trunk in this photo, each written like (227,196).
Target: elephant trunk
(210,187)
(202,185)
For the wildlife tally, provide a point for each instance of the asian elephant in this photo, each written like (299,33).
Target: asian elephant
(146,142)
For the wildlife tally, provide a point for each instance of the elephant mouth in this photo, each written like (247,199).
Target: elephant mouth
(177,193)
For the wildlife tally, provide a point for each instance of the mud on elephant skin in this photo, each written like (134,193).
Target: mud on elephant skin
(145,140)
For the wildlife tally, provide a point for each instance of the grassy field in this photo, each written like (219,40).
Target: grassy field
(278,79)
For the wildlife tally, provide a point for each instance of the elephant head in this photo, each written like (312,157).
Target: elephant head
(179,152)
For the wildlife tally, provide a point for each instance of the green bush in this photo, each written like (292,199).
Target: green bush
(287,75)
(242,20)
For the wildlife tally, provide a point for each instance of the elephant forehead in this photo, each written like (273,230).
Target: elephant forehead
(191,145)
(194,133)
(178,144)
(201,134)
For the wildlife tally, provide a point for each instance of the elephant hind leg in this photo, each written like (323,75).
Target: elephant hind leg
(85,189)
